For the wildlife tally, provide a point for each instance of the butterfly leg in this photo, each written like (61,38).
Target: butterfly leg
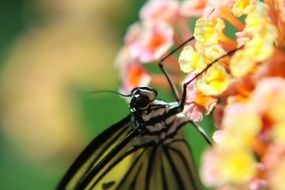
(163,70)
(170,82)
(184,92)
(202,132)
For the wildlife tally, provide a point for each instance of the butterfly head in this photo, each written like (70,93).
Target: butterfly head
(141,97)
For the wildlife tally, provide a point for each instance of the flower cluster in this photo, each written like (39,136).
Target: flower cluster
(242,45)
(163,24)
(147,41)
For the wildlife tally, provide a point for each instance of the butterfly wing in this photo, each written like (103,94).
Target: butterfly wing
(178,166)
(113,161)
(161,167)
(95,152)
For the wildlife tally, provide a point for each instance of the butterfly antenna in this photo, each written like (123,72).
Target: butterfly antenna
(109,92)
(211,13)
(202,132)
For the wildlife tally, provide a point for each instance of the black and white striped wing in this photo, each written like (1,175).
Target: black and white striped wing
(95,152)
(162,167)
(112,161)
(179,167)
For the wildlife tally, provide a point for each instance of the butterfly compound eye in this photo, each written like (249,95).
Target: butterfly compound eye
(142,101)
(141,97)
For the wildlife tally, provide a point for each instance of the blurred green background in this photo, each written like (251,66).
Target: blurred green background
(51,53)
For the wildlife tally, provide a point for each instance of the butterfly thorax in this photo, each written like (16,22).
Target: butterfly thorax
(155,120)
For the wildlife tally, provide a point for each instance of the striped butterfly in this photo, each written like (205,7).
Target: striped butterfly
(144,151)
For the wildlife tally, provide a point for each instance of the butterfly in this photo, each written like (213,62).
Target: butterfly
(146,150)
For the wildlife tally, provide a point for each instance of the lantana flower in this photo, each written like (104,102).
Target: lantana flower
(152,42)
(208,31)
(242,7)
(197,103)
(191,61)
(191,8)
(260,44)
(160,11)
(131,71)
(244,88)
(214,82)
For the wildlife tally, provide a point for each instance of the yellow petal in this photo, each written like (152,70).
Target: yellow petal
(262,45)
(207,31)
(214,82)
(239,122)
(237,166)
(241,63)
(191,61)
(242,7)
(256,18)
(210,52)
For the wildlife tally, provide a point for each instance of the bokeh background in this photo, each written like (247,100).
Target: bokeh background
(51,54)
